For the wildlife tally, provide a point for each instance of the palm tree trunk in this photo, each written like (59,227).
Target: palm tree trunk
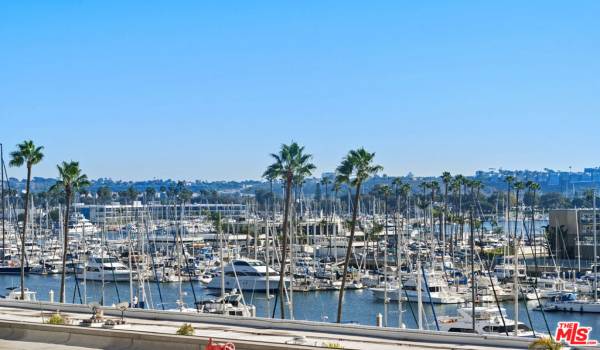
(445,217)
(286,214)
(348,252)
(507,218)
(462,218)
(65,244)
(432,218)
(22,277)
(516,218)
(533,231)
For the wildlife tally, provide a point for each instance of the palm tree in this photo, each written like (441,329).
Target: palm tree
(291,164)
(355,168)
(403,192)
(336,192)
(270,176)
(27,153)
(434,187)
(70,180)
(385,191)
(476,186)
(396,183)
(424,186)
(104,195)
(509,184)
(518,186)
(149,194)
(326,181)
(533,187)
(455,187)
(459,182)
(446,179)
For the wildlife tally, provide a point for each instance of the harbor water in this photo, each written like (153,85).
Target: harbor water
(359,305)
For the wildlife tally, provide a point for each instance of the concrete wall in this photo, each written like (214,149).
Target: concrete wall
(405,335)
(116,339)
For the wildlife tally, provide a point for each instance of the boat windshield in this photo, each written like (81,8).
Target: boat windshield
(248,263)
(503,329)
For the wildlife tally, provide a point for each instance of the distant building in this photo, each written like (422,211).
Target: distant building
(571,233)
(120,214)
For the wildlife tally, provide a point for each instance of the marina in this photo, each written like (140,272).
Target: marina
(406,277)
(299,175)
(392,264)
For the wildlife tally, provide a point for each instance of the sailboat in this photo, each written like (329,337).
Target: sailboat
(570,302)
(231,304)
(7,266)
(103,267)
(488,320)
(247,274)
(435,290)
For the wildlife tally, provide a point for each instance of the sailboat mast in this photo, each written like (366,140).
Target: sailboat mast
(385,266)
(2,199)
(220,234)
(419,295)
(129,252)
(516,275)
(595,251)
(473,295)
(268,287)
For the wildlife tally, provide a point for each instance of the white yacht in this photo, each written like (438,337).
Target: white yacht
(550,288)
(49,265)
(488,320)
(15,294)
(163,274)
(79,225)
(105,268)
(248,275)
(438,293)
(569,302)
(488,291)
(231,304)
(506,270)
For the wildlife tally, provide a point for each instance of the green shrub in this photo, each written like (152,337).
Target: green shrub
(185,329)
(56,319)
(333,346)
(545,343)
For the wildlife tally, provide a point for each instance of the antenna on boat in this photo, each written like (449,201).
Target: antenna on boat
(2,198)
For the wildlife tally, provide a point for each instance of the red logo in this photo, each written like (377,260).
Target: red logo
(573,334)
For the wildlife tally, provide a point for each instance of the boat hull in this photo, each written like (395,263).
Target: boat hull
(436,298)
(12,270)
(108,277)
(257,285)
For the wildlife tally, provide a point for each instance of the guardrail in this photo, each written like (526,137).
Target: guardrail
(408,335)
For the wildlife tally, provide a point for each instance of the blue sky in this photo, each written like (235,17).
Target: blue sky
(206,90)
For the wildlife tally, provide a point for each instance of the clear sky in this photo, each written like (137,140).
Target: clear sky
(207,89)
